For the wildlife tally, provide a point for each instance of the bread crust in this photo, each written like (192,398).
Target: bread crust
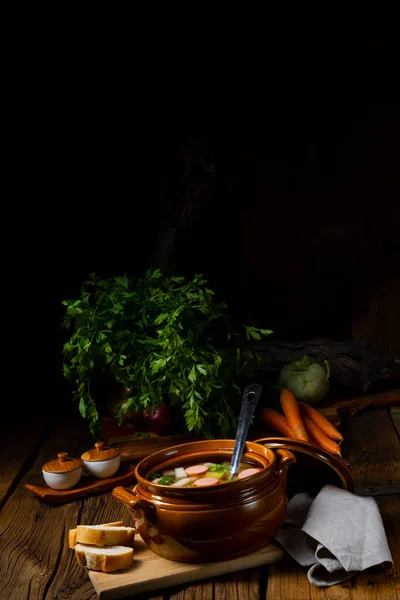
(91,558)
(98,535)
(72,538)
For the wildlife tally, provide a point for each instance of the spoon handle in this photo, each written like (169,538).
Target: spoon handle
(250,399)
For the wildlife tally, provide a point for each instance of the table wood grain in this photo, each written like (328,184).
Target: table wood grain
(37,564)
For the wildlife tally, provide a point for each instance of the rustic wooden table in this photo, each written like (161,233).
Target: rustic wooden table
(36,563)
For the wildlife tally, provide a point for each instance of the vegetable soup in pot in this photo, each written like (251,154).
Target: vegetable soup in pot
(189,518)
(200,474)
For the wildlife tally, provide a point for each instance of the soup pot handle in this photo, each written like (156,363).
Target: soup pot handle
(287,458)
(134,503)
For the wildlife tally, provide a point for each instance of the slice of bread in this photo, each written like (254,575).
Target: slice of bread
(72,532)
(110,559)
(109,534)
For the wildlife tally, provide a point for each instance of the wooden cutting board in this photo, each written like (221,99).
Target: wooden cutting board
(149,572)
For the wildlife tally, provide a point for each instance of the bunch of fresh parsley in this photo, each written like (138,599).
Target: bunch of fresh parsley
(157,335)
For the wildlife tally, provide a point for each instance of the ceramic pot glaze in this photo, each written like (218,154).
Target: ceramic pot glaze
(314,467)
(215,523)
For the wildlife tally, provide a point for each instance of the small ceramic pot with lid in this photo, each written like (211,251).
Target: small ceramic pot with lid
(63,473)
(102,462)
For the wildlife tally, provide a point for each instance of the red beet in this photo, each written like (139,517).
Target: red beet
(160,419)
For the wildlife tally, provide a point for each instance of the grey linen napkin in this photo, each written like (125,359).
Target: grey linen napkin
(336,534)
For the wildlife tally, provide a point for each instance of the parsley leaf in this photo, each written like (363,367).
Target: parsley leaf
(167,340)
(166,480)
(216,468)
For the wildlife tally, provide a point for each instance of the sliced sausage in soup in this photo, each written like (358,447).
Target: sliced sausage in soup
(248,473)
(204,475)
(206,482)
(196,470)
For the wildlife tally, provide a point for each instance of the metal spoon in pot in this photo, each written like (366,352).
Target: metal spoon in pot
(250,399)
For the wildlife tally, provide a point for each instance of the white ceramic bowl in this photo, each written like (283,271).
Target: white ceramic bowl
(101,469)
(62,481)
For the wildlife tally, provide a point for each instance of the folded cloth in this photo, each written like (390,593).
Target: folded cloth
(336,534)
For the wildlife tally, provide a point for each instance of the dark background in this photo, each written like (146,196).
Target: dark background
(292,146)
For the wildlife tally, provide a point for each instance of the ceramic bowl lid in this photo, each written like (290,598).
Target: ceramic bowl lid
(62,464)
(314,467)
(100,452)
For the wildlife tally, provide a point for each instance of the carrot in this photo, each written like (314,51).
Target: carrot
(320,438)
(292,413)
(321,421)
(277,421)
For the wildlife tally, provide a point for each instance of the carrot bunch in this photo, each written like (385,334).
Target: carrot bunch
(302,422)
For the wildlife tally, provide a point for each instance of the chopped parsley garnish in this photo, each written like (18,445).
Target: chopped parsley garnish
(166,480)
(216,468)
(151,476)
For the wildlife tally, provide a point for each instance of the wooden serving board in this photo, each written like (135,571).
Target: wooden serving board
(87,486)
(149,572)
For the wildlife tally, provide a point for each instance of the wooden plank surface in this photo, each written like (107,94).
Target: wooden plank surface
(17,454)
(203,590)
(240,586)
(371,448)
(150,572)
(34,554)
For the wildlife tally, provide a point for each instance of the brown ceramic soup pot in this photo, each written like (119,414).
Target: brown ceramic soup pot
(212,523)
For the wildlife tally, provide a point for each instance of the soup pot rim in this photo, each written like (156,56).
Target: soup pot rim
(183,450)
